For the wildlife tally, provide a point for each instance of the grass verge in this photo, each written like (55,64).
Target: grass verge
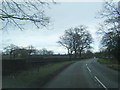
(31,77)
(110,63)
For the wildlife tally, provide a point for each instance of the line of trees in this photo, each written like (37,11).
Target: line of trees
(76,40)
(14,51)
(110,29)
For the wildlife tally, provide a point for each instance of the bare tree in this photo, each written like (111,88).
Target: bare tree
(20,53)
(82,40)
(76,40)
(111,28)
(44,51)
(31,50)
(13,12)
(111,16)
(10,49)
(66,40)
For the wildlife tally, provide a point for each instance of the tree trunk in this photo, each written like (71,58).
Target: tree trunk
(80,54)
(69,53)
(75,53)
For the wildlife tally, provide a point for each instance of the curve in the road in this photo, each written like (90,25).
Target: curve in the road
(85,74)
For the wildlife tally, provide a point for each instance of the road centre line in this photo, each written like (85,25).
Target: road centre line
(97,78)
(88,69)
(101,83)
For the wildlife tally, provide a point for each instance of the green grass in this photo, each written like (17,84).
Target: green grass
(110,63)
(103,61)
(41,72)
(24,78)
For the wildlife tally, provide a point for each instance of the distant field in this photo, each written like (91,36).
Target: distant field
(110,63)
(25,78)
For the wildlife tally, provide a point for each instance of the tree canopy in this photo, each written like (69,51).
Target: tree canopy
(76,40)
(111,29)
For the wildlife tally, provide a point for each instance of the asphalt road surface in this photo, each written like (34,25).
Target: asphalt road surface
(85,74)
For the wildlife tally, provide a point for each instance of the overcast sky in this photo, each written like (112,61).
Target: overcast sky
(63,16)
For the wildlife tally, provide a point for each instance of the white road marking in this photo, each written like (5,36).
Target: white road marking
(97,79)
(88,69)
(101,83)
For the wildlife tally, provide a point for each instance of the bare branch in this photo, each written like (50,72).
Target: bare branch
(32,11)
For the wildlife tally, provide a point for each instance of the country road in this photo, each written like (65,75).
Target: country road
(85,74)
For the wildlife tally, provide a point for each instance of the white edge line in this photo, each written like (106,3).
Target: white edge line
(88,69)
(101,83)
